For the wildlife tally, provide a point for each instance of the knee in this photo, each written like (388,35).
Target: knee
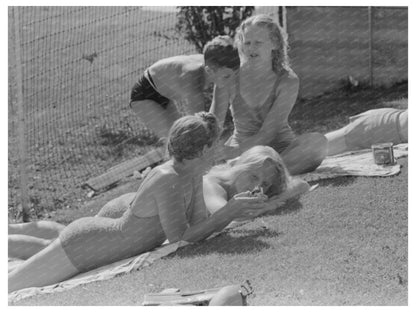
(318,138)
(321,146)
(316,143)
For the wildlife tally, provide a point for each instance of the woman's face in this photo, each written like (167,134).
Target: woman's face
(256,46)
(263,177)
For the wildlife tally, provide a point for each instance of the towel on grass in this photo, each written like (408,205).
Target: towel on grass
(357,163)
(106,272)
(102,273)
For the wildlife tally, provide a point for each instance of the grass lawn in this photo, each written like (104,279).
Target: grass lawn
(345,243)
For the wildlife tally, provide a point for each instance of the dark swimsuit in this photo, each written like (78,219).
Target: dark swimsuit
(144,89)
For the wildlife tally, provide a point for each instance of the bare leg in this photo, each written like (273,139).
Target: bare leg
(336,142)
(306,153)
(25,246)
(49,266)
(41,229)
(155,116)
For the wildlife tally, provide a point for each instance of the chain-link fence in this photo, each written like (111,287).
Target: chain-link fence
(71,70)
(332,47)
(77,66)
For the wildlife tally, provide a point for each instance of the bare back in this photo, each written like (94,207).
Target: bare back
(179,77)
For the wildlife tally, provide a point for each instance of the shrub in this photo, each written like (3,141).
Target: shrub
(200,24)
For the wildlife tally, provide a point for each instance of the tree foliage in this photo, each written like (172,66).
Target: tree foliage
(200,24)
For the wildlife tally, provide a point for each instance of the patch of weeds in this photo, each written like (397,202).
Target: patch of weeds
(109,136)
(350,85)
(117,136)
(115,140)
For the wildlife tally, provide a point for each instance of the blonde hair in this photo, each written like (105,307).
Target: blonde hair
(190,134)
(252,160)
(278,36)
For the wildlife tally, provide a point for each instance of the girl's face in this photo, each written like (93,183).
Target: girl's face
(248,180)
(256,46)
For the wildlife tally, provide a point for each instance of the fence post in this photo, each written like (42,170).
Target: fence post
(370,44)
(24,196)
(281,15)
(284,21)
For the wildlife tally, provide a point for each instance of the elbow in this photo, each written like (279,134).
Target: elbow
(193,238)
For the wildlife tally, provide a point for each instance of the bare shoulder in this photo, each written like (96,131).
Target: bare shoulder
(180,63)
(213,187)
(289,77)
(168,173)
(162,178)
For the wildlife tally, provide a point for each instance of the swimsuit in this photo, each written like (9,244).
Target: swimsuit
(145,89)
(92,242)
(248,120)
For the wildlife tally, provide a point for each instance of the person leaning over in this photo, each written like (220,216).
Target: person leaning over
(169,204)
(181,80)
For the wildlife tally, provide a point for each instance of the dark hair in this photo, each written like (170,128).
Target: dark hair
(221,52)
(189,135)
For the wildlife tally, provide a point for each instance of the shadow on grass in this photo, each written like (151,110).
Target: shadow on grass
(338,181)
(240,240)
(291,206)
(232,242)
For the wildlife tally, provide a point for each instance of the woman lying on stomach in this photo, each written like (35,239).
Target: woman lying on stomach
(249,172)
(168,205)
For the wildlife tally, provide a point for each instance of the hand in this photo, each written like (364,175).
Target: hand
(246,206)
(296,188)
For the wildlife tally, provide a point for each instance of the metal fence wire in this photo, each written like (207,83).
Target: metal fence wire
(71,70)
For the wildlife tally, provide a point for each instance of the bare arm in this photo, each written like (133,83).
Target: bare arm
(172,213)
(171,207)
(221,99)
(219,104)
(295,188)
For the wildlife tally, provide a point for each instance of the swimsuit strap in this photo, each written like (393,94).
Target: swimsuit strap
(271,95)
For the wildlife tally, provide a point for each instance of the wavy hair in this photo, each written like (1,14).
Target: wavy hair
(252,160)
(278,36)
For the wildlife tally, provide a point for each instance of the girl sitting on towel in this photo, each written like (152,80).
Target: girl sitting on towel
(168,205)
(265,92)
